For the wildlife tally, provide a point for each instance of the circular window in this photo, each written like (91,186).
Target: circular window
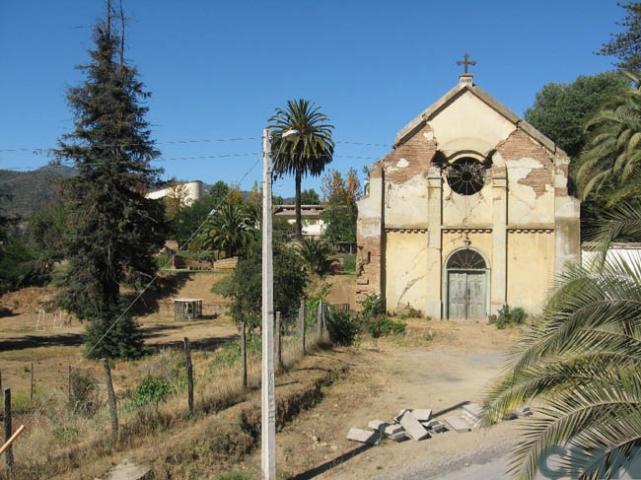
(466,176)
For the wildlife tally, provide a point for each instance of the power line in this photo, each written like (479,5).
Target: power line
(187,158)
(51,151)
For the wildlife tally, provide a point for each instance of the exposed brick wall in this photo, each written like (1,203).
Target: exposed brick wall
(520,145)
(418,151)
(368,264)
(369,243)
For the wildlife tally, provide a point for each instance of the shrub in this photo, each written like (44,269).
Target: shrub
(152,391)
(508,316)
(410,312)
(372,306)
(343,327)
(84,398)
(381,326)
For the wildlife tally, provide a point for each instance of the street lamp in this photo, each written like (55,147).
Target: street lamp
(268,400)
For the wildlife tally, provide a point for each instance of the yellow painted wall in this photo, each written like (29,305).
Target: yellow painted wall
(406,275)
(482,242)
(530,269)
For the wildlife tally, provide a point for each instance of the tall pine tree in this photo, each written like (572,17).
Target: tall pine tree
(115,230)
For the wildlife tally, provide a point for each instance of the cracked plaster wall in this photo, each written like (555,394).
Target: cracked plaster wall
(407,274)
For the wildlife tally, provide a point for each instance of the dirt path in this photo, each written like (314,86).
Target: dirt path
(457,365)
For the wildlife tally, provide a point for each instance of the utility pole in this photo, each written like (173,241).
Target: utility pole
(268,402)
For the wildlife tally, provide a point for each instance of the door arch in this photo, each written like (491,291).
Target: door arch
(466,285)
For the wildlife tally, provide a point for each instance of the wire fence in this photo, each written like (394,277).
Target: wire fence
(69,407)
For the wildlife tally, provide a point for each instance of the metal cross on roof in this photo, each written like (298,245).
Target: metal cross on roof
(466,62)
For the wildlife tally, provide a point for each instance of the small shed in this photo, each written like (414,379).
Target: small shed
(188,308)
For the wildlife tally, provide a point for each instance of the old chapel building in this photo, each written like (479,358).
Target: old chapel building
(469,211)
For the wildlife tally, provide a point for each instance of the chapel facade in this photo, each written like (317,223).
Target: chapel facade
(469,211)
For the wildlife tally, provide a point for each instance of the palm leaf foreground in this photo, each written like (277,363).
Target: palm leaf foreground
(613,155)
(581,364)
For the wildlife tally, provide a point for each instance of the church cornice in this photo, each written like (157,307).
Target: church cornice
(406,229)
(531,228)
(466,229)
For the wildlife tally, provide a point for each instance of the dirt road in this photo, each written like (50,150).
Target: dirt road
(456,365)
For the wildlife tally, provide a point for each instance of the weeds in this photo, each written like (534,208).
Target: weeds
(377,323)
(508,316)
(381,326)
(343,327)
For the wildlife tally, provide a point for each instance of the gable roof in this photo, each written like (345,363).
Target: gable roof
(430,112)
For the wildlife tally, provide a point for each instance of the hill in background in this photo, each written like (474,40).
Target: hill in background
(33,189)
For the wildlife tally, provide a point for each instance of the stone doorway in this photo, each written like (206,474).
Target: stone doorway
(466,286)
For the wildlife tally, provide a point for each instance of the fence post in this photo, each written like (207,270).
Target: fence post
(31,385)
(8,453)
(1,390)
(319,320)
(277,342)
(69,386)
(243,353)
(190,376)
(301,325)
(112,399)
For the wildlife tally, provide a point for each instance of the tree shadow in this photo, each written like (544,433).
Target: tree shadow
(6,312)
(316,471)
(203,344)
(35,341)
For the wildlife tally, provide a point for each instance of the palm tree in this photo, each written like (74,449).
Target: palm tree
(582,365)
(306,153)
(613,155)
(231,228)
(315,253)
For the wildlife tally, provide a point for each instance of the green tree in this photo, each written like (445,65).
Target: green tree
(218,192)
(315,253)
(47,230)
(309,197)
(18,265)
(231,228)
(610,163)
(341,210)
(190,218)
(114,229)
(244,286)
(626,46)
(561,110)
(5,222)
(581,365)
(306,153)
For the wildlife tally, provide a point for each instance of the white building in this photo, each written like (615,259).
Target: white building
(187,192)
(630,252)
(313,224)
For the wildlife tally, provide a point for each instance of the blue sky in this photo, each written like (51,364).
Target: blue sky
(217,69)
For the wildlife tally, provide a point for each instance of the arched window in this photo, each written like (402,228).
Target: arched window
(466,176)
(466,260)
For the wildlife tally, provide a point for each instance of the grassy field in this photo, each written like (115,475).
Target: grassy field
(40,343)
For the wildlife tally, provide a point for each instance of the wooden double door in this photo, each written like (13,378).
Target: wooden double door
(467,294)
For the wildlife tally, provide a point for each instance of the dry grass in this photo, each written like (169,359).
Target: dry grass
(57,437)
